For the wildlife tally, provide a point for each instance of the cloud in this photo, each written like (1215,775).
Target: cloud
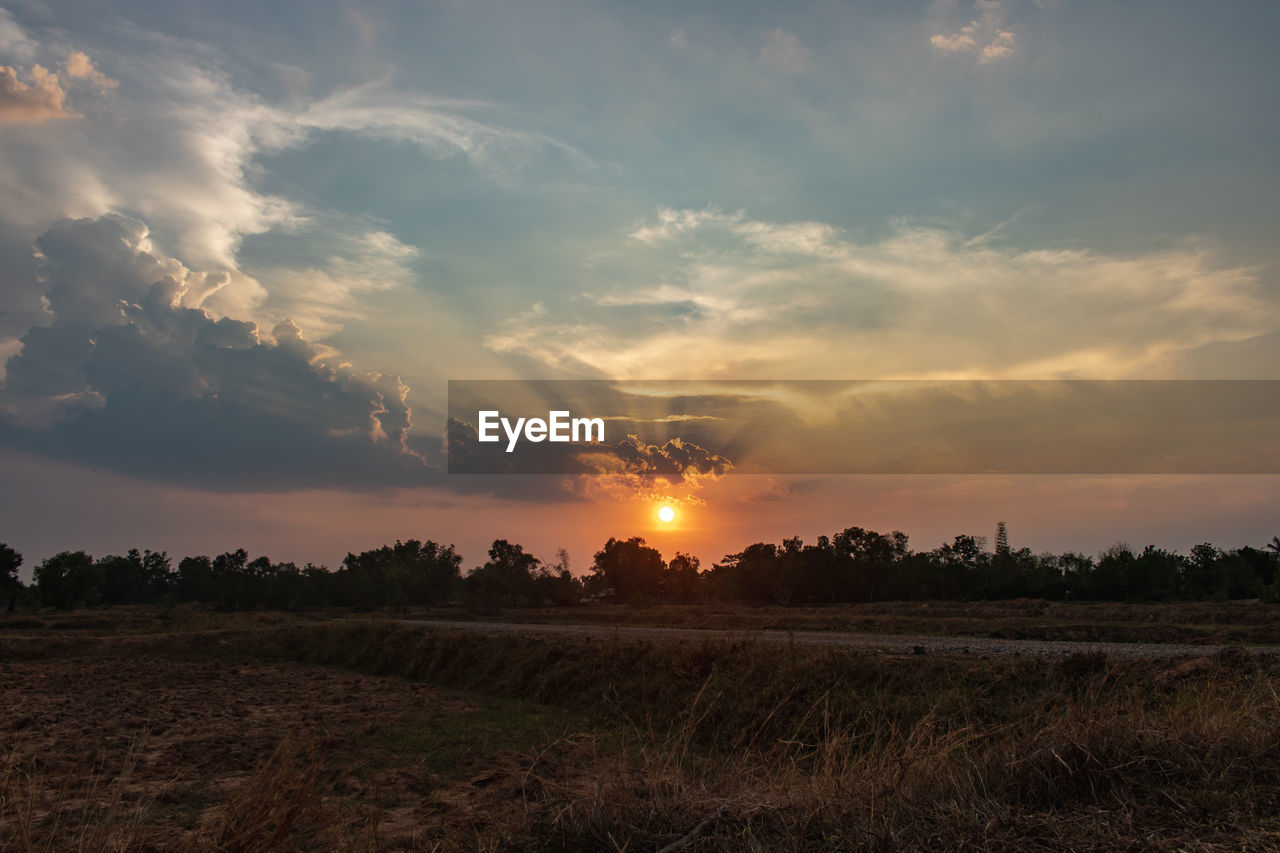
(130,373)
(677,461)
(365,29)
(745,298)
(987,36)
(35,102)
(998,48)
(964,39)
(670,223)
(81,67)
(14,42)
(440,127)
(326,297)
(183,147)
(783,51)
(635,470)
(43,96)
(770,490)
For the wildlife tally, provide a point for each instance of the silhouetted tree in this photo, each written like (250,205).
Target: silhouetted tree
(412,572)
(750,575)
(821,571)
(231,580)
(1263,565)
(134,578)
(958,565)
(630,568)
(195,579)
(1244,573)
(1155,574)
(10,560)
(1110,579)
(789,571)
(855,565)
(1077,572)
(316,587)
(1202,574)
(555,584)
(682,582)
(69,579)
(507,579)
(865,558)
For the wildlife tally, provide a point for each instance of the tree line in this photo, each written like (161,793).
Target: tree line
(854,565)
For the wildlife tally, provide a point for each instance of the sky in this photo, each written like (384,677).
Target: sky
(244,247)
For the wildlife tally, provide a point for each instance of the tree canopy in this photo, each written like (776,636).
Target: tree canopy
(853,565)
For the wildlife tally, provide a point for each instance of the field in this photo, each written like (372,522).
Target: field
(1197,623)
(184,730)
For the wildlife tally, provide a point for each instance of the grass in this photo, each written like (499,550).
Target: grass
(39,814)
(812,749)
(1213,623)
(1209,623)
(281,806)
(580,745)
(286,803)
(449,745)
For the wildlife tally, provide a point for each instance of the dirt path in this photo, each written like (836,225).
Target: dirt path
(891,643)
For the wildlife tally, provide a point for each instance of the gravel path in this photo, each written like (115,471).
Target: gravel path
(891,643)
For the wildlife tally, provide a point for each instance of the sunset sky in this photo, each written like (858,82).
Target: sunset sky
(245,245)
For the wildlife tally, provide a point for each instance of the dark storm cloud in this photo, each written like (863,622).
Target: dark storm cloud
(132,374)
(675,461)
(126,369)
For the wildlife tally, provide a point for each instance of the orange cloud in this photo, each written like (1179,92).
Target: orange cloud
(81,67)
(31,103)
(44,96)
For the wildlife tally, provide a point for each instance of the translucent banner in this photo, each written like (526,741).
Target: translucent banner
(864,427)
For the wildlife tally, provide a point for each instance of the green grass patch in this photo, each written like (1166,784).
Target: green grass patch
(449,744)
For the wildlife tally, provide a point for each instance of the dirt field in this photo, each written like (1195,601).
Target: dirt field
(163,749)
(161,731)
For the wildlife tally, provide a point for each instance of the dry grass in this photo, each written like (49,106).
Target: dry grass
(1214,623)
(286,803)
(100,811)
(719,746)
(1106,772)
(732,746)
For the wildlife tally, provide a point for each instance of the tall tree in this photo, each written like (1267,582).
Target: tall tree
(69,579)
(10,560)
(682,580)
(630,568)
(1002,539)
(508,578)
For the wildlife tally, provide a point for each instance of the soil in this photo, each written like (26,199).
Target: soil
(183,736)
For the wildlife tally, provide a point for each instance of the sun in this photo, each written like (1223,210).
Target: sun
(666,514)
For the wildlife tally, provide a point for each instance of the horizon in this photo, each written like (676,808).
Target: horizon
(1090,539)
